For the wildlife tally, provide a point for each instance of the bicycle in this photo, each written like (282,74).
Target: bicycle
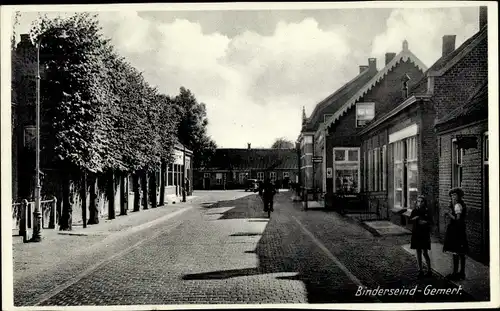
(267,207)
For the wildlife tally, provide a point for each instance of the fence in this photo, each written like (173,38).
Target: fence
(22,216)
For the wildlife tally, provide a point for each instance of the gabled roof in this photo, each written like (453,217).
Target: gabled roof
(333,101)
(446,62)
(475,108)
(255,159)
(403,56)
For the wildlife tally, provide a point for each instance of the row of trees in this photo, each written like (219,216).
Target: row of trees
(102,120)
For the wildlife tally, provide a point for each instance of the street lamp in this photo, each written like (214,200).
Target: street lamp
(37,213)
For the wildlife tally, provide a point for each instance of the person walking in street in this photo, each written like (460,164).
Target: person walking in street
(455,240)
(267,192)
(420,235)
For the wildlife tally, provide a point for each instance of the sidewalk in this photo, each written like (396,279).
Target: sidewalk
(58,247)
(477,275)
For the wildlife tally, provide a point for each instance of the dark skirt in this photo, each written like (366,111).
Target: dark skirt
(455,240)
(420,238)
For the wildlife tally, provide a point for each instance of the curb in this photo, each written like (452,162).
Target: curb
(437,273)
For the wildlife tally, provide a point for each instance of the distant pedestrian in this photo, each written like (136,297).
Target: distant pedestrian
(455,240)
(268,192)
(420,235)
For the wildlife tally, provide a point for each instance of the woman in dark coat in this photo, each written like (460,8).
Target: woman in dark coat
(456,238)
(420,235)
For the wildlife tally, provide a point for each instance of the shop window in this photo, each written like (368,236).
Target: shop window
(365,171)
(365,112)
(370,170)
(457,173)
(346,170)
(376,161)
(384,165)
(218,178)
(405,173)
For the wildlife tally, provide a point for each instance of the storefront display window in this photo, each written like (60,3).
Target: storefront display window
(405,173)
(346,170)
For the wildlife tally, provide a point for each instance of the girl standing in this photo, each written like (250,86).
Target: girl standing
(456,239)
(420,235)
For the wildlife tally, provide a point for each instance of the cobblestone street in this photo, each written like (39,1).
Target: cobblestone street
(229,252)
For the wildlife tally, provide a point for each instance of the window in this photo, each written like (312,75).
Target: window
(346,170)
(286,175)
(376,161)
(365,112)
(326,117)
(412,170)
(457,173)
(170,175)
(218,178)
(175,174)
(206,175)
(242,178)
(365,171)
(405,172)
(260,175)
(29,137)
(384,165)
(272,176)
(370,169)
(398,173)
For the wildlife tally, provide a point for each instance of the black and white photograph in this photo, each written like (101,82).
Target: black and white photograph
(250,155)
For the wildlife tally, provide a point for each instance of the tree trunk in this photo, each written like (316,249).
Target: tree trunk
(123,195)
(83,196)
(111,194)
(152,187)
(93,211)
(144,186)
(137,192)
(162,182)
(67,209)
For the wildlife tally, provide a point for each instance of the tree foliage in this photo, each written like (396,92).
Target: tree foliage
(192,127)
(282,143)
(99,112)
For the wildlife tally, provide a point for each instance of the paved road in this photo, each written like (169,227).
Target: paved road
(230,253)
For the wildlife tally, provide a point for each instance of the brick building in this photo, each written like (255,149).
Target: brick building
(231,167)
(370,102)
(312,137)
(404,157)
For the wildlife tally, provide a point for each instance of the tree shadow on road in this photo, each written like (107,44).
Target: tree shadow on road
(283,248)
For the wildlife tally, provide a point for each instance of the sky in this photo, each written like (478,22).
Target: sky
(256,69)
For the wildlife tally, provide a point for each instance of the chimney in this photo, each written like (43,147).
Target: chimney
(372,63)
(362,68)
(249,146)
(483,16)
(389,57)
(448,44)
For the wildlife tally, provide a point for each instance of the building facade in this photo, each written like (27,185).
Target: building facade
(433,139)
(231,168)
(347,155)
(314,141)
